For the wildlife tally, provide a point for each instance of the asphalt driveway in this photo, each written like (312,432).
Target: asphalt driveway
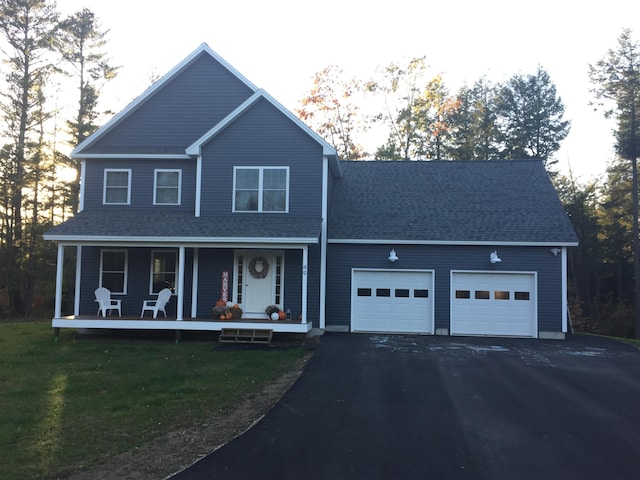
(412,407)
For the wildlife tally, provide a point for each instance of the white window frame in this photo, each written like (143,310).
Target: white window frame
(261,171)
(105,186)
(155,185)
(151,272)
(126,267)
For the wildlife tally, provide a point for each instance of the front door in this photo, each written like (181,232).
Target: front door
(259,272)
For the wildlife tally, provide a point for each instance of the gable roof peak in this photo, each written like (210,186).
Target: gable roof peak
(203,49)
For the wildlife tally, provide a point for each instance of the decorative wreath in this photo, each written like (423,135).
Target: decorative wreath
(259,267)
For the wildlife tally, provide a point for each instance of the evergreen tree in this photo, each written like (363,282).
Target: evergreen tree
(616,80)
(28,27)
(531,118)
(81,43)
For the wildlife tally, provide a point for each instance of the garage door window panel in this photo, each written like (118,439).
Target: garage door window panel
(463,294)
(501,295)
(383,292)
(420,293)
(402,293)
(364,292)
(482,294)
(521,295)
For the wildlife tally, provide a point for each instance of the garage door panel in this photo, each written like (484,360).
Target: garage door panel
(493,304)
(392,301)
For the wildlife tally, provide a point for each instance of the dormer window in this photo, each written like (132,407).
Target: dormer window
(117,187)
(261,189)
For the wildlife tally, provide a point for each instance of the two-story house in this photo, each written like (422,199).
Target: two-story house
(206,185)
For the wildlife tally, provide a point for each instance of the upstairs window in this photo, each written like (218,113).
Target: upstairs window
(167,187)
(261,189)
(117,187)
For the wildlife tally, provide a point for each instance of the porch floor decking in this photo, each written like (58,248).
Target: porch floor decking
(171,323)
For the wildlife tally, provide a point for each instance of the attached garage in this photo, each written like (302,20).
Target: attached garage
(500,304)
(393,301)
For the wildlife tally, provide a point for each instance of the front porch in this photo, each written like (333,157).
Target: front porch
(172,323)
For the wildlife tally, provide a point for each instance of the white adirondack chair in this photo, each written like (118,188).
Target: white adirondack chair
(106,303)
(158,305)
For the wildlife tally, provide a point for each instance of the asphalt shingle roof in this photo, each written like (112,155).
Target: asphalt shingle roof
(183,226)
(448,201)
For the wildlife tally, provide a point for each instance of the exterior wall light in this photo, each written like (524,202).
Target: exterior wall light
(392,256)
(494,258)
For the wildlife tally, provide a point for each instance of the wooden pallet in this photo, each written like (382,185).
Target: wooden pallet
(246,335)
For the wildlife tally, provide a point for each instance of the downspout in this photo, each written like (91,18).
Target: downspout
(323,242)
(198,184)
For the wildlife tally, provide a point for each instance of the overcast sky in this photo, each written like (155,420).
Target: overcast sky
(279,44)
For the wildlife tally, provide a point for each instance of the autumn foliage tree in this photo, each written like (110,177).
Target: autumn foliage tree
(329,110)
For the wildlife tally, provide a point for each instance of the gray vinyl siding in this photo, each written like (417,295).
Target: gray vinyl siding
(342,258)
(179,113)
(263,136)
(142,183)
(211,263)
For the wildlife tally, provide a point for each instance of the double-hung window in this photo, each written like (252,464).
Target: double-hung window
(261,189)
(117,187)
(167,187)
(113,270)
(164,268)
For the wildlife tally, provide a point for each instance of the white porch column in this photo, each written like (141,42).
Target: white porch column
(76,297)
(59,267)
(194,282)
(180,305)
(305,282)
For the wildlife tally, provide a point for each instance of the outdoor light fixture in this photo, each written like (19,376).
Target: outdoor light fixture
(494,258)
(392,256)
(555,251)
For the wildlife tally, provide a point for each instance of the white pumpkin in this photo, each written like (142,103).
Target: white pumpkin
(274,316)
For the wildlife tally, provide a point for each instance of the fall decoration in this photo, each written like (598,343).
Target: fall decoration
(271,309)
(236,312)
(221,303)
(220,312)
(282,315)
(258,267)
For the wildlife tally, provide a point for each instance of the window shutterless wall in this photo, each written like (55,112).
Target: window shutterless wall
(142,182)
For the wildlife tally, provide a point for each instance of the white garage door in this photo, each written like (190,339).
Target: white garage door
(392,301)
(493,304)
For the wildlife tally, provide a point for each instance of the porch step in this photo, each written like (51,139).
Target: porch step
(246,335)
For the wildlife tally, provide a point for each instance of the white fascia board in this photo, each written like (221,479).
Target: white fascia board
(218,242)
(151,90)
(327,149)
(364,241)
(196,147)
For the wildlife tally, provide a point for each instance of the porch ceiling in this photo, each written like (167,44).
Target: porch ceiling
(129,226)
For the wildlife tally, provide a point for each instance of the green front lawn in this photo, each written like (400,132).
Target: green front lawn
(65,406)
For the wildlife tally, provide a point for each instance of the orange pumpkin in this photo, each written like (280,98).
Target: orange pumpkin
(229,316)
(282,315)
(223,317)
